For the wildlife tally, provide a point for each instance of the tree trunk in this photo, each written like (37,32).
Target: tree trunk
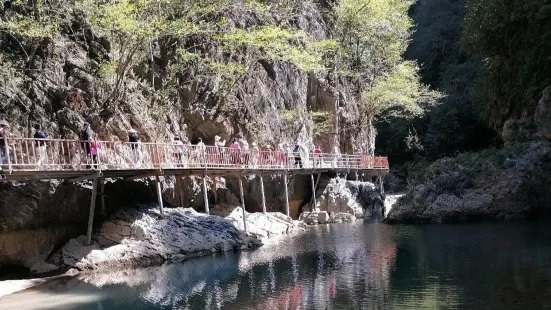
(334,142)
(370,137)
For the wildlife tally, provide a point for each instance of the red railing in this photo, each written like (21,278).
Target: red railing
(63,154)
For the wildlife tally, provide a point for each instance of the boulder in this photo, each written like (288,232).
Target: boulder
(323,217)
(357,198)
(341,218)
(508,183)
(140,236)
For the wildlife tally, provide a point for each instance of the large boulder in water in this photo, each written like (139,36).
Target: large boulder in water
(361,199)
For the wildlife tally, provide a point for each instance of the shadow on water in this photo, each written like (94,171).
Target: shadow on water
(358,266)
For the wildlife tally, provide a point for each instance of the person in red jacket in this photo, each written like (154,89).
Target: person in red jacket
(317,157)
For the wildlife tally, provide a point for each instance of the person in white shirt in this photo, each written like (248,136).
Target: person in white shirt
(244,151)
(178,150)
(255,154)
(200,150)
(219,143)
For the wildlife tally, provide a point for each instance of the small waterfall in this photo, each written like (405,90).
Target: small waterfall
(390,201)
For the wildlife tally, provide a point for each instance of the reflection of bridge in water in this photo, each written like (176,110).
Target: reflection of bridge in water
(74,160)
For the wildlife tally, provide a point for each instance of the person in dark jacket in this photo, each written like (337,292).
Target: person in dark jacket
(4,147)
(134,141)
(85,136)
(298,159)
(40,144)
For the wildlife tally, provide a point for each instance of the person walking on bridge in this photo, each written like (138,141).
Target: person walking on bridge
(255,155)
(298,158)
(4,143)
(219,144)
(317,157)
(200,151)
(235,151)
(244,145)
(85,137)
(40,144)
(95,150)
(134,141)
(178,150)
(289,155)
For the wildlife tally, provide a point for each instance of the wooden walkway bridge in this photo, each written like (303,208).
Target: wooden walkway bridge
(75,160)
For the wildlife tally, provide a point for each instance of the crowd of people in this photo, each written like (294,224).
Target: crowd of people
(237,152)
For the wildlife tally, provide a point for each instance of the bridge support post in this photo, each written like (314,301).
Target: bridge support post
(262,192)
(179,189)
(313,192)
(242,202)
(286,194)
(381,186)
(92,208)
(102,192)
(159,195)
(206,195)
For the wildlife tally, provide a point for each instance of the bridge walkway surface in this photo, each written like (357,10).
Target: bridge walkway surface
(75,160)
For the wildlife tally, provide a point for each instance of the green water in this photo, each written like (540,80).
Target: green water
(359,266)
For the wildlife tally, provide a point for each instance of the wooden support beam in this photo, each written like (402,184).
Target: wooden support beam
(91,214)
(180,190)
(286,194)
(243,202)
(102,195)
(262,192)
(381,185)
(205,195)
(142,176)
(94,175)
(159,195)
(314,189)
(313,192)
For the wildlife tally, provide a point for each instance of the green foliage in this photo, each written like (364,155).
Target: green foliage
(459,123)
(373,33)
(514,40)
(276,43)
(227,70)
(398,94)
(320,120)
(29,28)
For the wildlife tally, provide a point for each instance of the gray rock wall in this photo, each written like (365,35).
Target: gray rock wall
(543,114)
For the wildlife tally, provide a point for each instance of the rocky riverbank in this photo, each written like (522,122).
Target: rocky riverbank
(496,184)
(140,236)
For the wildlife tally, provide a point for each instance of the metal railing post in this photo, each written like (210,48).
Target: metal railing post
(7,149)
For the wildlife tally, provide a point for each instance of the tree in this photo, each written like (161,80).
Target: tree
(374,35)
(514,40)
(459,123)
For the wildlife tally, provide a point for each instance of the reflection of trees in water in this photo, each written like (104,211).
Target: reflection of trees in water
(482,265)
(326,268)
(352,267)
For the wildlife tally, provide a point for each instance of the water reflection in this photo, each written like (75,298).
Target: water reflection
(356,266)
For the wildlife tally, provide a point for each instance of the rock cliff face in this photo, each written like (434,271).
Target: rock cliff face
(37,217)
(61,87)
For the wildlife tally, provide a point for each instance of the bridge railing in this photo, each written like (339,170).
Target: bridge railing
(65,154)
